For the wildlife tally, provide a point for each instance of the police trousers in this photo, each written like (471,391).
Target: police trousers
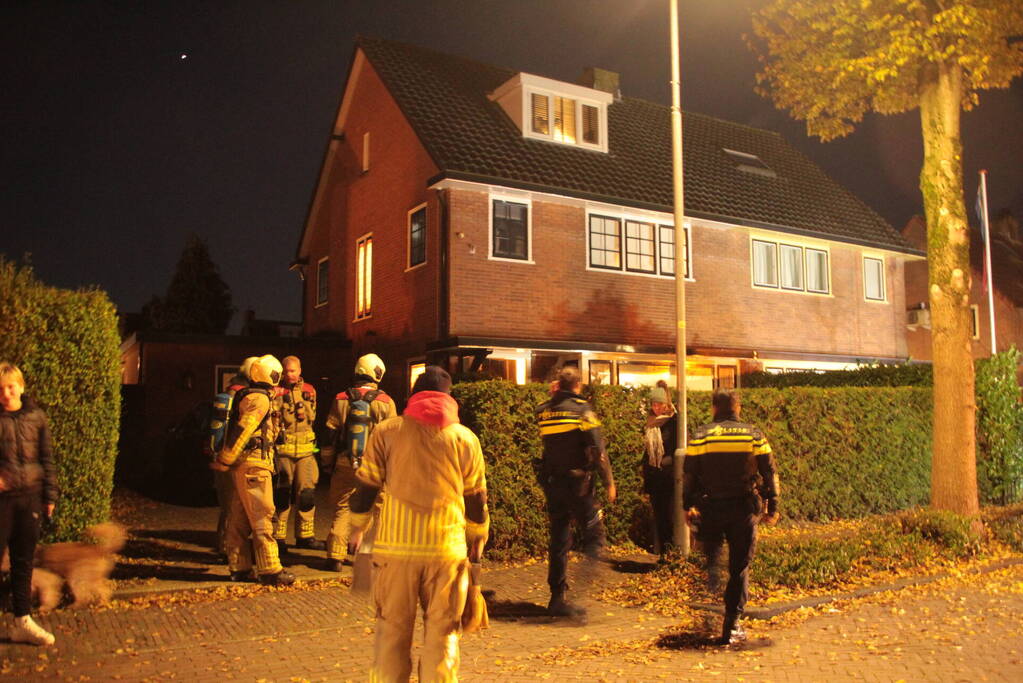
(400,587)
(250,513)
(733,520)
(568,499)
(302,473)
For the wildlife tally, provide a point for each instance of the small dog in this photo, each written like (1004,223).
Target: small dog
(84,565)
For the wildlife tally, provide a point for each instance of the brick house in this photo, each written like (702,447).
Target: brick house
(504,222)
(1006,264)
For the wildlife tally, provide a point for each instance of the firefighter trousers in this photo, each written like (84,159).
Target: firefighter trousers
(251,513)
(399,588)
(303,474)
(342,485)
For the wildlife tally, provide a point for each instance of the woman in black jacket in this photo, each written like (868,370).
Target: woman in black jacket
(659,439)
(28,490)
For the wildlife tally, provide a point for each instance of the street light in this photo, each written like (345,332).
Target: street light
(681,530)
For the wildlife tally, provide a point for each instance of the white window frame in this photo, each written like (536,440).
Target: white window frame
(326,291)
(363,279)
(655,235)
(513,199)
(779,246)
(658,224)
(527,118)
(782,247)
(408,237)
(881,272)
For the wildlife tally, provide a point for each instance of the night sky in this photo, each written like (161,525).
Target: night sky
(129,125)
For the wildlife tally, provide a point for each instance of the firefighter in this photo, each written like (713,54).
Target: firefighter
(297,470)
(248,453)
(729,475)
(353,415)
(573,447)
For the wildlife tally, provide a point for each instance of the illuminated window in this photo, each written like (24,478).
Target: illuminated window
(414,371)
(540,117)
(564,119)
(765,264)
(873,279)
(364,277)
(322,281)
(817,271)
(667,250)
(567,120)
(791,267)
(417,237)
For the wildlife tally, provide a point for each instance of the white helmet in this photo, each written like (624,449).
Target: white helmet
(266,370)
(247,365)
(370,366)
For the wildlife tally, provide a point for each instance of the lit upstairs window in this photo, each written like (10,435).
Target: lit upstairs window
(565,113)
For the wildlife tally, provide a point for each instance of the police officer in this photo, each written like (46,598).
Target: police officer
(573,447)
(248,452)
(341,447)
(297,470)
(728,474)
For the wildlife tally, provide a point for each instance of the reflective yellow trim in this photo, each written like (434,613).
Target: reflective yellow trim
(559,429)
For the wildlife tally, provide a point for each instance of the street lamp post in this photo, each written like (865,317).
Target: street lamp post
(681,530)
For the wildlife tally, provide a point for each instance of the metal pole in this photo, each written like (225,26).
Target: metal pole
(681,533)
(986,227)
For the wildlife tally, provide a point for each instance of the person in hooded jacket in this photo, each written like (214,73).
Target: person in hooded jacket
(28,491)
(660,437)
(433,518)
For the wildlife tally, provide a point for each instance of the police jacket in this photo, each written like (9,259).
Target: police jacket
(573,442)
(296,412)
(728,459)
(26,454)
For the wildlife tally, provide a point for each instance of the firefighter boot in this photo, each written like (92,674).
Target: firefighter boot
(310,544)
(281,578)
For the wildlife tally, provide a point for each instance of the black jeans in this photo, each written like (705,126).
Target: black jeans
(20,520)
(733,520)
(570,498)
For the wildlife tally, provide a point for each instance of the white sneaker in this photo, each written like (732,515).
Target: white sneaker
(27,631)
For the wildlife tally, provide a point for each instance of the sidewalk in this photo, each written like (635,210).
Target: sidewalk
(186,622)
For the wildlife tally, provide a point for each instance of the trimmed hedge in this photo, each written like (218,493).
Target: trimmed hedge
(845,452)
(66,344)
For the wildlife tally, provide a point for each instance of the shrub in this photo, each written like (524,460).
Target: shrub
(999,429)
(66,344)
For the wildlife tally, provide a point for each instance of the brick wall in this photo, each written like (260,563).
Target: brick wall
(558,298)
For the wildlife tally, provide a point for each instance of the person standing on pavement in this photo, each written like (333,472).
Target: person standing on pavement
(728,474)
(573,448)
(28,491)
(297,469)
(249,455)
(660,436)
(354,414)
(434,517)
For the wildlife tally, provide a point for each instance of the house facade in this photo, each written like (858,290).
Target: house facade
(500,222)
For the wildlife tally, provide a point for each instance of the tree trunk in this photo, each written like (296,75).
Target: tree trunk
(953,464)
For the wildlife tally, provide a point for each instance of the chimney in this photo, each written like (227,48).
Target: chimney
(601,79)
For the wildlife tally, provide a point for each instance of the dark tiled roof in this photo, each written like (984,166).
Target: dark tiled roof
(469,137)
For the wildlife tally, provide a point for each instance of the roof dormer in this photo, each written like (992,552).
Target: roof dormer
(555,111)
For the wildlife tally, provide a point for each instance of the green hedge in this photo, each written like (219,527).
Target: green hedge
(841,452)
(66,344)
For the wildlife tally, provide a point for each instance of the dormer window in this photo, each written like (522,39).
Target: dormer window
(545,109)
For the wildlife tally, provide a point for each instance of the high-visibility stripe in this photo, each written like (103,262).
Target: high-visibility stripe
(560,421)
(408,532)
(558,429)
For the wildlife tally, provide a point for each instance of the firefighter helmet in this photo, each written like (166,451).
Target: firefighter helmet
(370,366)
(266,370)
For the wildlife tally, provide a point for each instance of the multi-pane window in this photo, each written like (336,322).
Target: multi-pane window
(605,242)
(364,277)
(639,247)
(322,281)
(765,264)
(645,247)
(417,237)
(873,279)
(817,271)
(790,266)
(511,230)
(564,119)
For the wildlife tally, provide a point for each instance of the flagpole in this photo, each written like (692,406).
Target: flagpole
(986,231)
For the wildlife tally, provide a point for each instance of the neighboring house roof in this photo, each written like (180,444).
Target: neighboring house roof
(470,137)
